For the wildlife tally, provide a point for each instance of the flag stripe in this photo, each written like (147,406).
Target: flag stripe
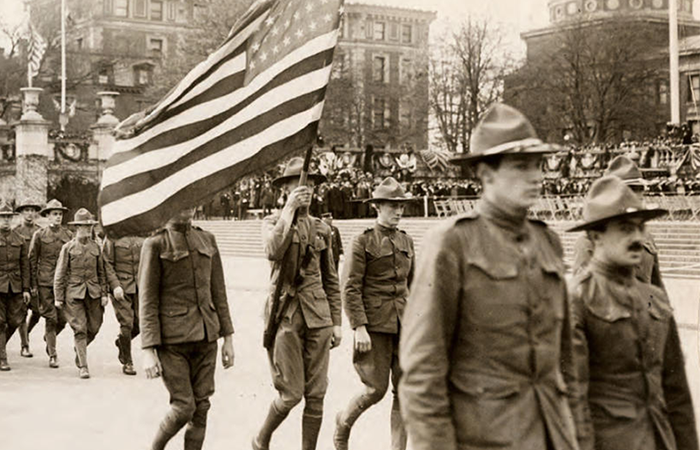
(313,72)
(317,45)
(162,190)
(200,190)
(244,131)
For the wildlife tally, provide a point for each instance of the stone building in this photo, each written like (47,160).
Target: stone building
(649,19)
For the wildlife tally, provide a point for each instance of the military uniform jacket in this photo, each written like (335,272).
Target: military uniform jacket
(631,376)
(80,271)
(647,271)
(336,243)
(181,288)
(27,233)
(14,264)
(43,254)
(318,295)
(376,278)
(486,345)
(122,257)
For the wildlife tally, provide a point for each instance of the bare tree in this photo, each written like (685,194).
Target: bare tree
(13,67)
(467,71)
(592,83)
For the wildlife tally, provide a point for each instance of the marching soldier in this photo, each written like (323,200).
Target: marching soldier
(376,277)
(309,312)
(184,311)
(648,269)
(486,322)
(26,229)
(14,280)
(80,286)
(44,249)
(122,259)
(632,389)
(336,240)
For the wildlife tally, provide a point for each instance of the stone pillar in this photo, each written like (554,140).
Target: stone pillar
(102,130)
(32,150)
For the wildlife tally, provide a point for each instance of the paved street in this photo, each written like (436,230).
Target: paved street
(45,408)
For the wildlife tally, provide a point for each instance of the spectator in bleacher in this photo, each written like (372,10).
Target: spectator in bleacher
(336,240)
(648,270)
(267,197)
(225,205)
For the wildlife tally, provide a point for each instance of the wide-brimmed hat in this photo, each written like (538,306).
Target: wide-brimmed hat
(27,204)
(610,198)
(83,217)
(626,170)
(51,206)
(6,209)
(503,131)
(293,170)
(388,190)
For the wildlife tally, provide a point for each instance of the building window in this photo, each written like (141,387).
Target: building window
(121,8)
(142,75)
(368,29)
(694,88)
(394,31)
(107,7)
(379,31)
(155,47)
(380,114)
(340,65)
(663,93)
(139,8)
(105,74)
(156,10)
(379,69)
(172,11)
(406,117)
(407,34)
(406,74)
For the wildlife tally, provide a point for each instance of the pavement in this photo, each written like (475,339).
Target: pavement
(53,408)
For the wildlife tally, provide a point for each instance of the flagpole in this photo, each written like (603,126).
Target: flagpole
(63,60)
(673,61)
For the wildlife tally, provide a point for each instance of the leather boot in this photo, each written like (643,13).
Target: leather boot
(398,431)
(345,420)
(50,339)
(273,420)
(3,351)
(194,437)
(310,427)
(81,353)
(23,335)
(126,349)
(163,436)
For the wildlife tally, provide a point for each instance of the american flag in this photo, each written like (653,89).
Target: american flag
(255,100)
(36,50)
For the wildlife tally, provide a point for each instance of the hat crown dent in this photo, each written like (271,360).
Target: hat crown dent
(6,209)
(82,215)
(389,189)
(623,168)
(500,125)
(610,196)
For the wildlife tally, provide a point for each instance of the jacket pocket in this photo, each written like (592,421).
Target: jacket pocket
(613,409)
(174,256)
(175,311)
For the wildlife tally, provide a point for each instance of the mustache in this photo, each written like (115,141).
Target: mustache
(635,247)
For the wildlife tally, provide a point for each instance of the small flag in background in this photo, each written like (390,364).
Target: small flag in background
(255,100)
(36,50)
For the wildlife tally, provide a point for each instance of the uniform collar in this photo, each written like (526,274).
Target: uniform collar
(510,221)
(620,274)
(384,229)
(180,227)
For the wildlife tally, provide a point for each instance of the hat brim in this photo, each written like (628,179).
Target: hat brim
(645,214)
(390,200)
(83,222)
(8,213)
(538,149)
(28,205)
(317,177)
(45,211)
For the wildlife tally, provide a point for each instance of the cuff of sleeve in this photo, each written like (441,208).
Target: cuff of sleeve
(358,321)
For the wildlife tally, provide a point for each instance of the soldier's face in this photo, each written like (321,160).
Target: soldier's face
(185,215)
(83,230)
(5,223)
(28,215)
(389,213)
(516,182)
(621,242)
(55,217)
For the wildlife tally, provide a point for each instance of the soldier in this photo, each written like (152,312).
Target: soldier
(14,280)
(184,311)
(44,249)
(486,322)
(80,283)
(310,313)
(122,259)
(376,279)
(336,239)
(648,269)
(26,229)
(632,390)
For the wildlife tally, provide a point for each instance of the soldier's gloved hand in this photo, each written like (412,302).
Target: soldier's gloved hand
(27,297)
(105,300)
(227,354)
(58,304)
(151,363)
(119,293)
(363,343)
(299,197)
(337,336)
